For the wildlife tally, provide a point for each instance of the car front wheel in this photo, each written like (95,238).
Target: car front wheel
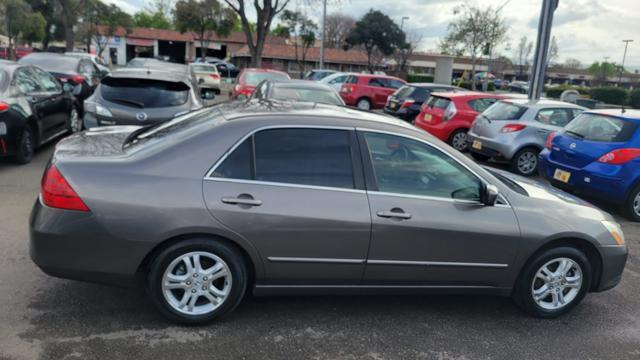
(554,282)
(363,104)
(196,281)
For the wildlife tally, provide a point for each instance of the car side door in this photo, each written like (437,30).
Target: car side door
(297,194)
(378,92)
(429,226)
(59,104)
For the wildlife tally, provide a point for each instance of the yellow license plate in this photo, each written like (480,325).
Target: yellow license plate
(427,117)
(477,145)
(562,176)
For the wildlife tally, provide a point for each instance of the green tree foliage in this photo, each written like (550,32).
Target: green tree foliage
(100,21)
(53,30)
(302,33)
(603,70)
(376,33)
(205,18)
(155,20)
(634,98)
(20,22)
(281,31)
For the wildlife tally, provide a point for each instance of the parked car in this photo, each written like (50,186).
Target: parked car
(318,74)
(405,103)
(249,78)
(95,59)
(21,51)
(226,69)
(35,108)
(80,73)
(208,77)
(598,154)
(335,80)
(516,130)
(296,90)
(520,87)
(367,91)
(271,200)
(142,96)
(145,61)
(448,116)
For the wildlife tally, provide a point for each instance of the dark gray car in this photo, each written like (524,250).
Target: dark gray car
(142,96)
(279,198)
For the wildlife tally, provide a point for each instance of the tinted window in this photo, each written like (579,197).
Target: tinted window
(410,167)
(26,82)
(394,84)
(556,117)
(404,92)
(481,105)
(253,78)
(601,128)
(52,63)
(144,93)
(238,164)
(304,156)
(503,110)
(376,82)
(49,83)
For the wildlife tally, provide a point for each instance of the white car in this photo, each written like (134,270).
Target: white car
(335,80)
(98,61)
(207,75)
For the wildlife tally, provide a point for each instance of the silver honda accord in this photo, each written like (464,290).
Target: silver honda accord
(296,198)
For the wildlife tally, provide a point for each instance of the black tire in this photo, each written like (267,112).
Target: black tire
(479,157)
(629,204)
(27,146)
(458,140)
(363,104)
(523,290)
(227,253)
(527,169)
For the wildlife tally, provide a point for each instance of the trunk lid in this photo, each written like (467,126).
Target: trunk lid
(95,143)
(489,123)
(578,153)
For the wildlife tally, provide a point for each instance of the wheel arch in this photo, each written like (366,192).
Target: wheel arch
(31,121)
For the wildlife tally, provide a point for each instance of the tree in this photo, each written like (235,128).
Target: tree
(266,11)
(572,63)
(404,53)
(281,31)
(476,30)
(50,10)
(522,54)
(205,18)
(601,71)
(302,32)
(376,33)
(157,15)
(70,12)
(20,22)
(553,52)
(101,21)
(337,27)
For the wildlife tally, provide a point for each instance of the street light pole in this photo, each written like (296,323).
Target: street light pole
(402,22)
(624,57)
(324,22)
(542,48)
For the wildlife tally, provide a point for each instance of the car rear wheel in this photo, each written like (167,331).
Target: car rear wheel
(196,281)
(27,146)
(479,157)
(554,282)
(525,162)
(364,104)
(458,140)
(632,205)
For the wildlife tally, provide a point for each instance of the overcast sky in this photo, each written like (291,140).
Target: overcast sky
(588,30)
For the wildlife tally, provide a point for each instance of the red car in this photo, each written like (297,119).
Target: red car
(367,91)
(20,52)
(248,79)
(448,116)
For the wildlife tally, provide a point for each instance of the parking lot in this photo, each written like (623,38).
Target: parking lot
(49,318)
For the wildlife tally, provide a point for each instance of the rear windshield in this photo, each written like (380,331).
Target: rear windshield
(438,102)
(254,78)
(503,110)
(52,63)
(328,96)
(144,93)
(594,127)
(204,68)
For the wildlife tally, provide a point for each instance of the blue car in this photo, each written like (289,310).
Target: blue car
(598,153)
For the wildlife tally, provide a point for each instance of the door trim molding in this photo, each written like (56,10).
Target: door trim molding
(436,263)
(315,260)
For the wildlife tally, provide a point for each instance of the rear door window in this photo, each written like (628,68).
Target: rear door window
(144,93)
(602,128)
(376,82)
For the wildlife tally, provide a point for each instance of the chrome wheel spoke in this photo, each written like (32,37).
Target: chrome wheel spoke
(553,290)
(541,293)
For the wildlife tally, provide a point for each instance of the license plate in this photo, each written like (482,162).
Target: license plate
(477,145)
(562,176)
(427,117)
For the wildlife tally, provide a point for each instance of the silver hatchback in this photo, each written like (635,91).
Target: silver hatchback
(516,130)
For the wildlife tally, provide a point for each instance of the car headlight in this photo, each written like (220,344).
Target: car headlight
(615,230)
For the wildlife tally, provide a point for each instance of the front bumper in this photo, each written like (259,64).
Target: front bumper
(500,148)
(614,261)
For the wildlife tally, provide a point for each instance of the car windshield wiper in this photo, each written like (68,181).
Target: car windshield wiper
(129,102)
(574,134)
(136,133)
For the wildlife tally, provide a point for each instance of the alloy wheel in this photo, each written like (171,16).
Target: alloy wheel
(636,204)
(527,162)
(364,104)
(557,283)
(196,283)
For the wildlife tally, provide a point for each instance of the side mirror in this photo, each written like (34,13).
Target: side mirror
(490,195)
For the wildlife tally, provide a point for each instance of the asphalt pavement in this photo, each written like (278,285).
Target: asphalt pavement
(47,318)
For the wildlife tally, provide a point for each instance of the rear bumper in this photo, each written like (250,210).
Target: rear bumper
(73,245)
(402,113)
(495,148)
(442,130)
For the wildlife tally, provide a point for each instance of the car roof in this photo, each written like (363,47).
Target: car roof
(542,103)
(150,74)
(628,114)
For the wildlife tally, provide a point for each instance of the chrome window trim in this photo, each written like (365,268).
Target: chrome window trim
(482,179)
(300,186)
(315,260)
(436,263)
(435,198)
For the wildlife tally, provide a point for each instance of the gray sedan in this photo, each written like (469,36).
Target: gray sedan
(516,130)
(299,198)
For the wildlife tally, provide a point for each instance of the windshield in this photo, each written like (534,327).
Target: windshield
(56,63)
(253,78)
(602,128)
(144,93)
(503,110)
(204,68)
(311,95)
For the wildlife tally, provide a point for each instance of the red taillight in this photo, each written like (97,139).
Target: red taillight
(620,156)
(407,103)
(510,128)
(547,144)
(215,76)
(346,89)
(57,193)
(3,107)
(78,79)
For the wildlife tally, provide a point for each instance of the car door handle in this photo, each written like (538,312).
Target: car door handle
(241,201)
(394,213)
